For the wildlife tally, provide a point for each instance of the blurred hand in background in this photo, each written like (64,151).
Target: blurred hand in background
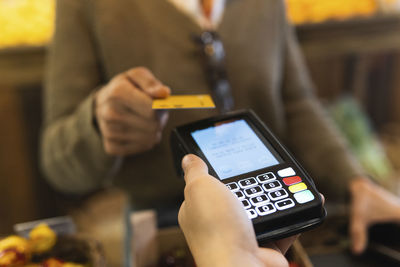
(124,114)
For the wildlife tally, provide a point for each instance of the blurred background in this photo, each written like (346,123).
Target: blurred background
(352,48)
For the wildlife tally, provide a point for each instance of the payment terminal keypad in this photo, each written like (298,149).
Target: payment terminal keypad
(270,192)
(253,191)
(246,204)
(233,187)
(251,213)
(240,195)
(266,209)
(246,183)
(278,194)
(260,200)
(272,186)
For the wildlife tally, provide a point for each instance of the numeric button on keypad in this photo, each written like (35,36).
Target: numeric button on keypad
(251,214)
(254,191)
(246,204)
(233,187)
(260,200)
(246,183)
(278,194)
(266,209)
(239,195)
(265,177)
(284,204)
(271,186)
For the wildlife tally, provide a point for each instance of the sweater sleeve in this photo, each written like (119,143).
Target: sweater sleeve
(310,133)
(72,155)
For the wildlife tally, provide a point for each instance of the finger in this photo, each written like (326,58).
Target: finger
(128,124)
(124,97)
(113,130)
(110,126)
(137,106)
(147,82)
(126,144)
(130,136)
(286,243)
(140,103)
(128,133)
(272,245)
(272,258)
(124,148)
(359,236)
(115,148)
(193,167)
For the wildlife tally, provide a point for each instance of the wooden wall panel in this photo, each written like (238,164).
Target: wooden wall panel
(17,196)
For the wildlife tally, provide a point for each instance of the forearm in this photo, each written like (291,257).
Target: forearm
(72,155)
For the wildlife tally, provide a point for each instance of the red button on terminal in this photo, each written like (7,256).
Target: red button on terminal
(292,180)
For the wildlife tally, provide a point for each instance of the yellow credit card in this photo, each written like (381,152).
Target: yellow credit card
(184,102)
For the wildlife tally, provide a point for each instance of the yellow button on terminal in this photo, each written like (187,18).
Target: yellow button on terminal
(297,187)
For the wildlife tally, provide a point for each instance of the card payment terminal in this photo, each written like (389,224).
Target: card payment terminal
(278,195)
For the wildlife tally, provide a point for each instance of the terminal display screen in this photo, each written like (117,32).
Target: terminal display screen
(233,148)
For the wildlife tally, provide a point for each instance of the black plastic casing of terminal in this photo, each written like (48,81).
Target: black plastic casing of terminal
(280,224)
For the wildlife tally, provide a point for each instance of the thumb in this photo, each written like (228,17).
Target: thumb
(193,167)
(158,91)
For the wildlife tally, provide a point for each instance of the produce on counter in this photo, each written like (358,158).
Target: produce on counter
(36,251)
(42,238)
(57,263)
(14,251)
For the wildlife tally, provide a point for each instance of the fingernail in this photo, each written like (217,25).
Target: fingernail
(160,87)
(160,91)
(154,88)
(186,160)
(358,249)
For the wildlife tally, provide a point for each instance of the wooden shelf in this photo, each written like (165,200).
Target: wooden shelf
(22,66)
(358,35)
